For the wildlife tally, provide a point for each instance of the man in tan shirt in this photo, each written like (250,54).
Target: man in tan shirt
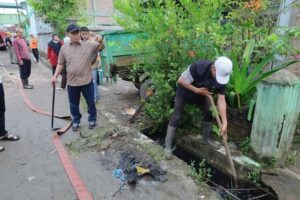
(78,58)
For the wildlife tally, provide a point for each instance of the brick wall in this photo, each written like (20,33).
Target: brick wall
(102,11)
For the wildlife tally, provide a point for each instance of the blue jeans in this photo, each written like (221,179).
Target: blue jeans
(74,100)
(96,91)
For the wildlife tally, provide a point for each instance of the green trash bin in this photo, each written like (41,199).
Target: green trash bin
(276,114)
(119,55)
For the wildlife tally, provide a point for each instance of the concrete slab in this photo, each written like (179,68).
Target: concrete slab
(285,183)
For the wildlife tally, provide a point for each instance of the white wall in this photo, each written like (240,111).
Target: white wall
(41,30)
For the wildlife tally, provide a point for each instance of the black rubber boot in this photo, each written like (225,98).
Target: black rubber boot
(26,84)
(206,131)
(169,141)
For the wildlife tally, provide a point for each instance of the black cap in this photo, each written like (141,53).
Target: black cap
(72,27)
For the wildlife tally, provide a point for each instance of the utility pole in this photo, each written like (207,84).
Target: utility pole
(18,12)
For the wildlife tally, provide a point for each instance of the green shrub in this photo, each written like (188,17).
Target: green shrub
(178,33)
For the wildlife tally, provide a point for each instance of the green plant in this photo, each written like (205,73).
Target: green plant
(200,174)
(156,152)
(296,141)
(268,162)
(292,158)
(174,40)
(254,177)
(246,74)
(180,32)
(216,131)
(245,145)
(56,12)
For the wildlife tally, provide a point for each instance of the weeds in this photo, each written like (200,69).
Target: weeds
(200,174)
(216,131)
(296,141)
(155,151)
(268,162)
(291,158)
(73,148)
(245,146)
(254,177)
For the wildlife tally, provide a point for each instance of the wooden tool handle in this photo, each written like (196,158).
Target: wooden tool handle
(224,139)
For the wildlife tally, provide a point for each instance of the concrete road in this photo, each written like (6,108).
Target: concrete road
(30,168)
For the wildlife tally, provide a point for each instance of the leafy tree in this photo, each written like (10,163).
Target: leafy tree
(56,12)
(182,31)
(175,39)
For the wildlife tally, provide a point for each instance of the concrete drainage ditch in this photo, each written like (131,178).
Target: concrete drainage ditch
(191,149)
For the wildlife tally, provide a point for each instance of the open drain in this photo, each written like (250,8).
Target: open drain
(220,182)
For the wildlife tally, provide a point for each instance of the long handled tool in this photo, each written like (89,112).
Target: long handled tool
(224,139)
(52,114)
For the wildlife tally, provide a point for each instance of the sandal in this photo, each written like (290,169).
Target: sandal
(10,137)
(2,148)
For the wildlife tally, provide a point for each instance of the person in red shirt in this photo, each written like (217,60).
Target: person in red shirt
(52,54)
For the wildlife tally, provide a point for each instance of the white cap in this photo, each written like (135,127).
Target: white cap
(223,69)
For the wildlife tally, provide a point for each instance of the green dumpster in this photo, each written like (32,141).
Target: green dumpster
(276,114)
(118,56)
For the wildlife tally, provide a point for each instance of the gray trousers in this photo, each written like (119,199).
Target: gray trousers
(12,55)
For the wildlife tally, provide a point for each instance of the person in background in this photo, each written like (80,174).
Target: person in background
(34,47)
(95,66)
(2,44)
(9,47)
(78,57)
(87,35)
(23,57)
(52,54)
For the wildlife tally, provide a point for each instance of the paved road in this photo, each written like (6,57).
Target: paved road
(30,168)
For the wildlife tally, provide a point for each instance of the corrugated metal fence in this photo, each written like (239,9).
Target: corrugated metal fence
(43,39)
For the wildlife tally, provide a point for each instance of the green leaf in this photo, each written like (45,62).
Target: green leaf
(266,74)
(258,69)
(250,110)
(248,52)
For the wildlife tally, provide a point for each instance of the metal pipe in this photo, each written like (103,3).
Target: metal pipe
(18,12)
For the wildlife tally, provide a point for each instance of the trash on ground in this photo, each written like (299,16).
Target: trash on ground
(31,178)
(132,166)
(143,139)
(130,111)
